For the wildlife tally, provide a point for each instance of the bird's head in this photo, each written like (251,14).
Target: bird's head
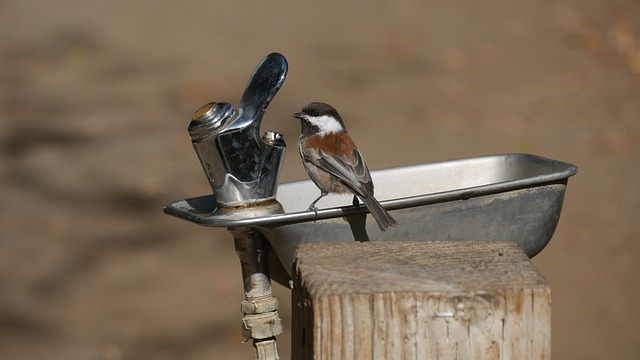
(320,118)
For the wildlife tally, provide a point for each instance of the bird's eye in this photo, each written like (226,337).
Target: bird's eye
(316,114)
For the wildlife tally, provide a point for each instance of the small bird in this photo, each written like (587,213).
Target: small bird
(333,161)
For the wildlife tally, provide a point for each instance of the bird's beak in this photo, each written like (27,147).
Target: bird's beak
(298,115)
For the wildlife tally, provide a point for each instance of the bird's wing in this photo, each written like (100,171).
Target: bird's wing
(349,168)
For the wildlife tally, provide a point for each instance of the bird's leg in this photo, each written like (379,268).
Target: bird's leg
(313,207)
(356,203)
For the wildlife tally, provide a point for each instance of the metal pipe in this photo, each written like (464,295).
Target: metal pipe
(261,321)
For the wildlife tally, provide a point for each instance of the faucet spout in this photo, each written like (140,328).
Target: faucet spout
(241,166)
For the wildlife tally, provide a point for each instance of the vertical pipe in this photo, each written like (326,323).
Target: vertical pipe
(261,321)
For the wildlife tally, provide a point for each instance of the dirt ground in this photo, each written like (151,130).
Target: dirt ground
(95,98)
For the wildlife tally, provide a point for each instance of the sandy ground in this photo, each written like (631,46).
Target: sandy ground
(94,102)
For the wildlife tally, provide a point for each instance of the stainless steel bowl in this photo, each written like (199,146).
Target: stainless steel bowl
(514,197)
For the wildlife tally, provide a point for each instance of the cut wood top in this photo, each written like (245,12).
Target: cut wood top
(447,266)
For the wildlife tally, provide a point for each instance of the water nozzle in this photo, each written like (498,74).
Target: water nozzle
(242,167)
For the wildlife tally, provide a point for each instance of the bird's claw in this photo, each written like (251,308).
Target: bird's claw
(356,203)
(314,209)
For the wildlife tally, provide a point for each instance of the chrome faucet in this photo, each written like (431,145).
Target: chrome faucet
(243,170)
(242,167)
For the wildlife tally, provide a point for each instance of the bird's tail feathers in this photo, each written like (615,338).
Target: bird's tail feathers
(382,217)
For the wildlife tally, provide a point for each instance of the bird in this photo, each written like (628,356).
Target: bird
(333,162)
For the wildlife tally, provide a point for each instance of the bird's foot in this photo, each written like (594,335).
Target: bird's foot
(314,209)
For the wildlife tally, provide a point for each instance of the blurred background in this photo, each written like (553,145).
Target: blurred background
(95,98)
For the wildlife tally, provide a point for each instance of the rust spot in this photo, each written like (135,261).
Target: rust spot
(517,303)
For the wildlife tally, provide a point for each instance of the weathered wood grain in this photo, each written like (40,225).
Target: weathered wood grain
(419,300)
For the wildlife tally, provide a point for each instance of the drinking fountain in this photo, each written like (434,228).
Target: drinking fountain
(514,197)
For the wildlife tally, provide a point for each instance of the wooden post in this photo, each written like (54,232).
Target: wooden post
(419,300)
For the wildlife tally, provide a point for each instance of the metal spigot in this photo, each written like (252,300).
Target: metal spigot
(242,167)
(243,170)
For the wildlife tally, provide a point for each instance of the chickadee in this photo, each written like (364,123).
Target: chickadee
(333,161)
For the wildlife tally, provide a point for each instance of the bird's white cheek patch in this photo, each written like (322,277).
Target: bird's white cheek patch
(326,124)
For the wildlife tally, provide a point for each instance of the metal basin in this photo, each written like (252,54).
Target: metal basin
(514,197)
